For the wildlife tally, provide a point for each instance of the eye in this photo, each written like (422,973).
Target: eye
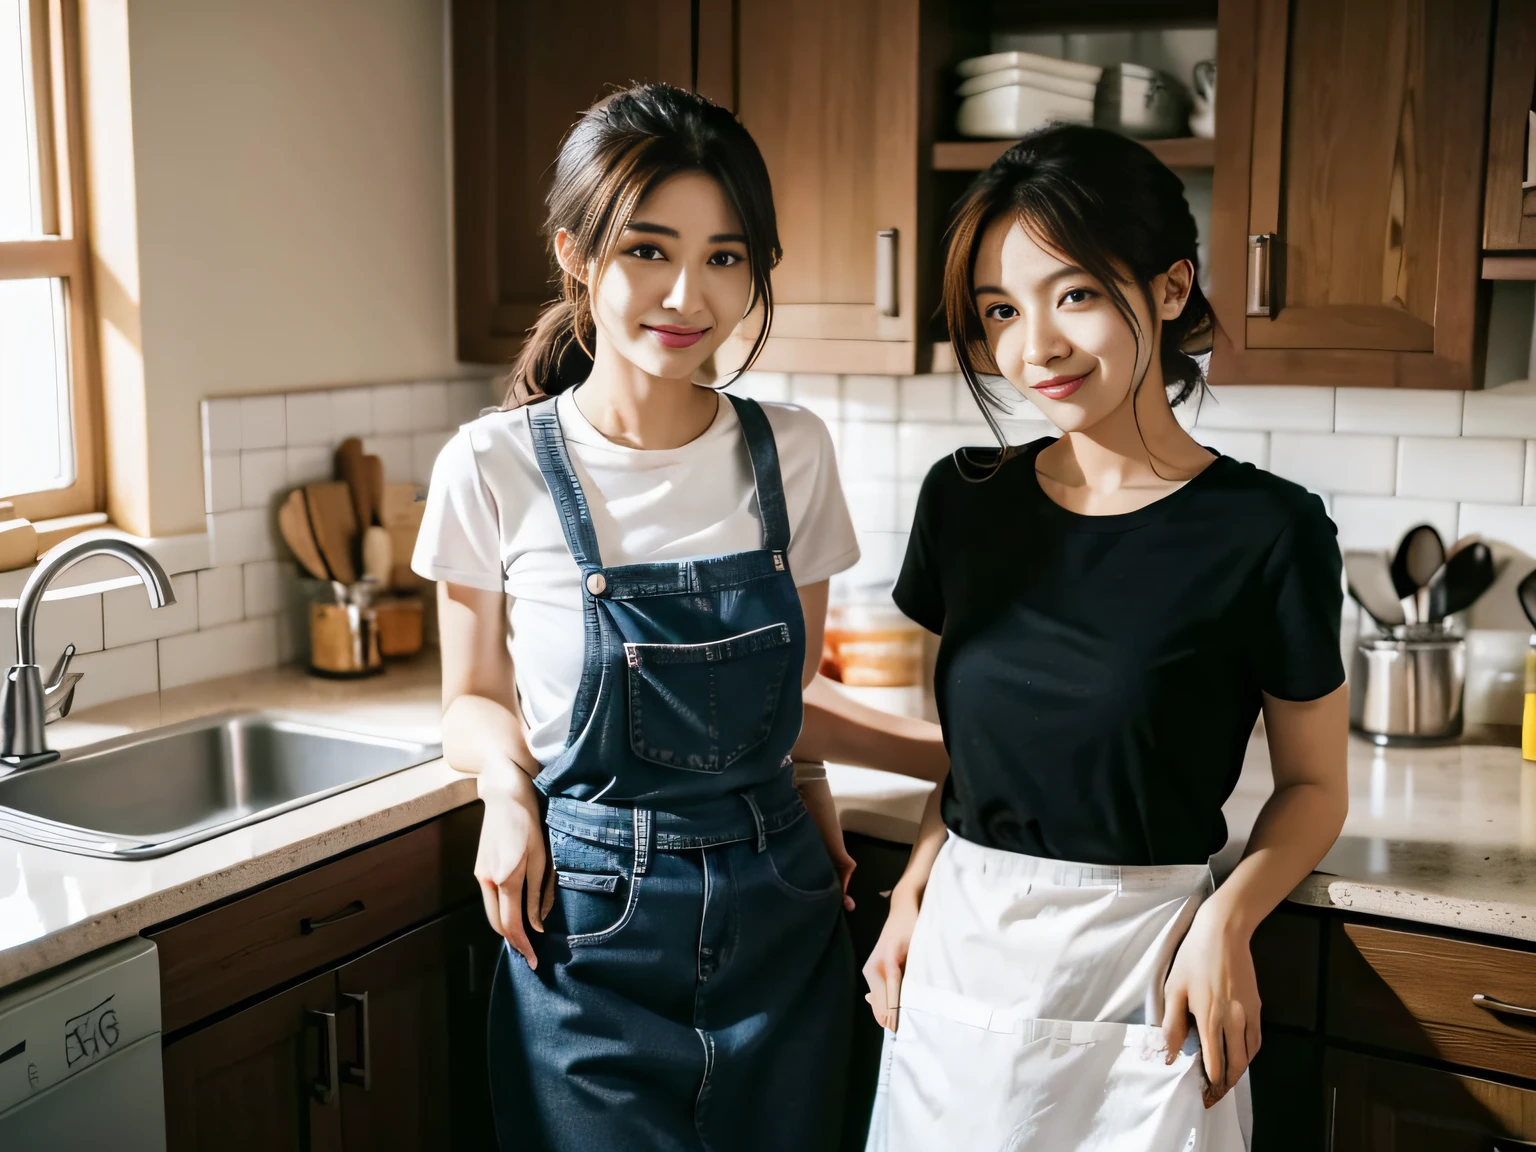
(647,252)
(1001,312)
(725,259)
(1077,296)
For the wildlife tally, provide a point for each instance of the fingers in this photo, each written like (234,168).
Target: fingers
(845,868)
(893,995)
(1213,1052)
(1175,1021)
(1235,1032)
(510,894)
(874,976)
(534,863)
(492,901)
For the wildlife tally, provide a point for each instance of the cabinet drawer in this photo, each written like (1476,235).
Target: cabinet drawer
(1376,1105)
(1413,993)
(1287,959)
(222,956)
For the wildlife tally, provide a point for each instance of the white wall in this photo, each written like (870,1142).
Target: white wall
(292,177)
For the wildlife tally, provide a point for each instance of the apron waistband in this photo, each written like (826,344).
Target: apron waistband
(1043,871)
(751,814)
(952,1006)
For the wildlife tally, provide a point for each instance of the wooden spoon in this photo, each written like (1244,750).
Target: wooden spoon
(351,468)
(335,522)
(293,521)
(374,468)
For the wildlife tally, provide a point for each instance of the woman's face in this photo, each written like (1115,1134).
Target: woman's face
(678,281)
(1055,334)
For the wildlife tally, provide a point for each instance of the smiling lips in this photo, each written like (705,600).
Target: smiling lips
(670,337)
(1059,387)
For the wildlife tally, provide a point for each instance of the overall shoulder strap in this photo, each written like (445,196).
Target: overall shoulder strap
(554,459)
(765,472)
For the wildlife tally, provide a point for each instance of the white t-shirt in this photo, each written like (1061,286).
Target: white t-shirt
(490,523)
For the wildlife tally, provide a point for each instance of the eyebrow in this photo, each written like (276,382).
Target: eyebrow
(1065,273)
(663,230)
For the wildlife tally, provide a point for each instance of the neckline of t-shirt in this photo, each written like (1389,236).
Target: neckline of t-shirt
(1115,522)
(579,430)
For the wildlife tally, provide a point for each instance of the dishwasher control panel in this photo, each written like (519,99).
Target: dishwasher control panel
(73,1017)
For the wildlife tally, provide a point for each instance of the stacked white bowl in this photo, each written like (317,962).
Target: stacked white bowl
(1007,94)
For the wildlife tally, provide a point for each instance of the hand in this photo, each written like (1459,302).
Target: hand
(817,797)
(845,864)
(888,962)
(1212,981)
(513,861)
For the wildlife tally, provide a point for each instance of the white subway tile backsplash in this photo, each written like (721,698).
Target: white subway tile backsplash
(395,453)
(310,418)
(1397,411)
(221,595)
(1509,410)
(867,451)
(919,446)
(308,466)
(1495,676)
(241,536)
(930,398)
(1488,471)
(870,398)
(116,674)
(265,586)
(72,620)
(221,425)
(263,476)
(1378,522)
(1509,524)
(221,481)
(351,413)
(1249,447)
(822,394)
(465,400)
(880,556)
(425,447)
(128,618)
(1358,465)
(764,387)
(429,405)
(393,409)
(1266,408)
(263,422)
(907,492)
(1529,490)
(227,650)
(872,504)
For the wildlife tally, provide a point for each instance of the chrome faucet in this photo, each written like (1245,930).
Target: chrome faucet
(27,705)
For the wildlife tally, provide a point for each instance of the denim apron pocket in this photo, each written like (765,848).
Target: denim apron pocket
(702,707)
(595,889)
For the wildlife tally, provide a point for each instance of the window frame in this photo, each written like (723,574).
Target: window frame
(63,252)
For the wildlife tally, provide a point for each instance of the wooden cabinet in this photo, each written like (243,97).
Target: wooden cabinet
(382,1042)
(1377,1105)
(1346,206)
(1509,211)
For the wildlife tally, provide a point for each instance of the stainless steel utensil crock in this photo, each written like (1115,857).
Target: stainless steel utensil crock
(1406,688)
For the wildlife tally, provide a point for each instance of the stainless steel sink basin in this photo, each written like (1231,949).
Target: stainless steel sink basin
(154,792)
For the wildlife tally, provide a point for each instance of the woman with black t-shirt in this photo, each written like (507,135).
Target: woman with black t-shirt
(1117,607)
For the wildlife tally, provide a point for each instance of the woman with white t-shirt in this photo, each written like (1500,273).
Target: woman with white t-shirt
(688,982)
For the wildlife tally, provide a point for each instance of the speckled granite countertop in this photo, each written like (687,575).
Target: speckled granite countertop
(1440,836)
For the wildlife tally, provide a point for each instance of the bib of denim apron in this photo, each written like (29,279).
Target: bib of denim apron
(690,686)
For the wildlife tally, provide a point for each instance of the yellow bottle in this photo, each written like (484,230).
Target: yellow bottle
(1528,722)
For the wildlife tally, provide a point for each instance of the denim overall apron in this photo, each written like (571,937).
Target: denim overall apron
(695,976)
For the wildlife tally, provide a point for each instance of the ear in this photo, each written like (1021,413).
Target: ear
(565,254)
(1174,294)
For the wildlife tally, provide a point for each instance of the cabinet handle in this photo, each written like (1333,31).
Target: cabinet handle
(1489,1004)
(1333,1113)
(306,925)
(1260,273)
(885,272)
(324,1089)
(472,971)
(360,1073)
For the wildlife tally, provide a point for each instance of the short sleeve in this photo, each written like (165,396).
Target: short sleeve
(1296,637)
(459,540)
(822,541)
(918,592)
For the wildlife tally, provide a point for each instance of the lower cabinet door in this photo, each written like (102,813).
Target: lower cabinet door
(412,1058)
(1379,1105)
(264,1079)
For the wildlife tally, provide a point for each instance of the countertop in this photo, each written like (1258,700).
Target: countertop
(1443,836)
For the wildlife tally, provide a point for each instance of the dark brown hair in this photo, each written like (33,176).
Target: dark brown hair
(621,148)
(1106,204)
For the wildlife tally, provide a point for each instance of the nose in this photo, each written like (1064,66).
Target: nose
(684,297)
(1043,340)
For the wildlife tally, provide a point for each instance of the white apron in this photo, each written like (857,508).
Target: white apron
(1030,1011)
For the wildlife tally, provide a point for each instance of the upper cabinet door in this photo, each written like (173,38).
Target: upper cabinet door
(830,91)
(1345,222)
(523,72)
(1509,215)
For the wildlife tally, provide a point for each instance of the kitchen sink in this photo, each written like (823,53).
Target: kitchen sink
(157,791)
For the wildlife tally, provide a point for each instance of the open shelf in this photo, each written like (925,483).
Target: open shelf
(974,155)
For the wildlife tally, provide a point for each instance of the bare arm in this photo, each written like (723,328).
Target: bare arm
(845,731)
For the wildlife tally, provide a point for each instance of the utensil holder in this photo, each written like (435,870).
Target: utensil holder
(1406,686)
(399,620)
(343,641)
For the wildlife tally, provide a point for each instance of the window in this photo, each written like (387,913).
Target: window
(49,462)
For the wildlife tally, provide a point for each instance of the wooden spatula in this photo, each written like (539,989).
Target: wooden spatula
(352,468)
(293,521)
(335,522)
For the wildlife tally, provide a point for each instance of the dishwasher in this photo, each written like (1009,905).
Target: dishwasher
(80,1055)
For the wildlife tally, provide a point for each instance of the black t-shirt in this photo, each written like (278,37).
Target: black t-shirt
(1099,676)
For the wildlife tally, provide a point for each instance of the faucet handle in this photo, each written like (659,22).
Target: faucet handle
(56,677)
